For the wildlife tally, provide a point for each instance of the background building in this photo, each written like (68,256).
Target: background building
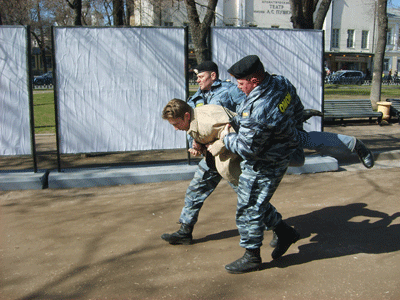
(350,27)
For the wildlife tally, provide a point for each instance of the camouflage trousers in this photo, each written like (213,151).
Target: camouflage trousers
(254,212)
(204,182)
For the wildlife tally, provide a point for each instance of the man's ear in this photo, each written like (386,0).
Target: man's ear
(186,116)
(213,76)
(255,80)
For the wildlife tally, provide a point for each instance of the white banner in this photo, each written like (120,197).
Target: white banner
(295,54)
(112,84)
(15,134)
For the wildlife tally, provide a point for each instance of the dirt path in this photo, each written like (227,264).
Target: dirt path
(104,243)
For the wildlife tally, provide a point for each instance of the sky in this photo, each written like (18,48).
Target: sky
(394,3)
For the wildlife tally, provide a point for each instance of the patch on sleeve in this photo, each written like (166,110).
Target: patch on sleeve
(199,104)
(245,114)
(283,105)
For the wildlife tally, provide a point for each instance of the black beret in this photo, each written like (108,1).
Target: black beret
(206,66)
(246,66)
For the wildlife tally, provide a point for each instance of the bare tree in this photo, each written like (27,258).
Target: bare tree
(130,8)
(380,51)
(118,12)
(15,12)
(199,30)
(321,13)
(40,30)
(303,13)
(76,5)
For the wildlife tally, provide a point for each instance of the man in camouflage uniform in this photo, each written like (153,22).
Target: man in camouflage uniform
(214,91)
(211,91)
(269,120)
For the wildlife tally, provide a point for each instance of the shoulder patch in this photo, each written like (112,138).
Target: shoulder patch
(285,102)
(245,114)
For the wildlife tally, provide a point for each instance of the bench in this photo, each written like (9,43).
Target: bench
(395,108)
(350,108)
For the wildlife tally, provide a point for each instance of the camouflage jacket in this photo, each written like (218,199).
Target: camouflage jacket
(269,119)
(223,93)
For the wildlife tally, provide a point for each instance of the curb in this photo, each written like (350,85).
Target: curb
(80,178)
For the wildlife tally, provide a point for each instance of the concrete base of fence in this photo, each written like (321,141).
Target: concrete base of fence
(78,178)
(315,164)
(21,181)
(120,176)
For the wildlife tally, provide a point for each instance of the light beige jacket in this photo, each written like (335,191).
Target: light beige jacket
(206,124)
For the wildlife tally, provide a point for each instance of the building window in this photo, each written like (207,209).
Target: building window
(389,37)
(364,39)
(274,26)
(350,38)
(386,64)
(335,38)
(169,24)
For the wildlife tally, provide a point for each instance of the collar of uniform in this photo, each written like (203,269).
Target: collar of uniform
(216,83)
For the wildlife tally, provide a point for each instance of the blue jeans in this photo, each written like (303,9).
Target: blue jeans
(326,143)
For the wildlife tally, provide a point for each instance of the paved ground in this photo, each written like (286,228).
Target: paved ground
(104,242)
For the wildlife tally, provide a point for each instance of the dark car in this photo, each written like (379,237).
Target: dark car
(44,79)
(346,77)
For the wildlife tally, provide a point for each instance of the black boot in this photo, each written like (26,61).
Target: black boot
(286,236)
(250,261)
(308,113)
(364,154)
(182,237)
(274,242)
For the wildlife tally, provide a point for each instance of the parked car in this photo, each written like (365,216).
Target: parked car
(44,79)
(346,77)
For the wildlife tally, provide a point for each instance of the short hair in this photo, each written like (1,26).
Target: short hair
(176,108)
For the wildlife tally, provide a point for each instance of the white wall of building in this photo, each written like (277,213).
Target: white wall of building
(392,55)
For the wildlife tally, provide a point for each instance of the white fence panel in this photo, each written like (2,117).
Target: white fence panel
(15,130)
(112,84)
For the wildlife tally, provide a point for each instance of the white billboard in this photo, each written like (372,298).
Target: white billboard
(112,84)
(15,130)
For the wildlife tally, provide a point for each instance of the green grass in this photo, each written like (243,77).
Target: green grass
(388,91)
(43,109)
(45,117)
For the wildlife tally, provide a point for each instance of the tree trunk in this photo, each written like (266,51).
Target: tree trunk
(78,12)
(42,44)
(76,5)
(130,9)
(302,14)
(379,52)
(321,13)
(118,12)
(199,30)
